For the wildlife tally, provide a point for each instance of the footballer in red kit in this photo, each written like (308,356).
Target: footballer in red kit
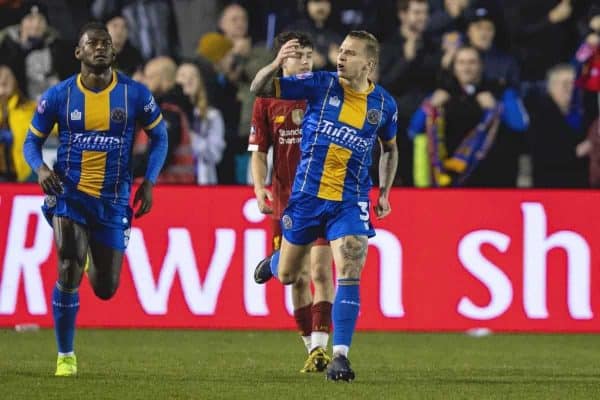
(278,123)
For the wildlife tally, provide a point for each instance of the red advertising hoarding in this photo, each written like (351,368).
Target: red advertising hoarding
(443,260)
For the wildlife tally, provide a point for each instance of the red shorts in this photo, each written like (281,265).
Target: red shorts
(276,235)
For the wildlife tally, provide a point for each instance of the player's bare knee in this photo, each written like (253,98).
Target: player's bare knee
(302,280)
(287,278)
(321,274)
(70,266)
(106,291)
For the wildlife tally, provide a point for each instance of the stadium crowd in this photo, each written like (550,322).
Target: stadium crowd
(490,93)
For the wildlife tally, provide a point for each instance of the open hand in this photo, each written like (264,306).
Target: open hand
(289,49)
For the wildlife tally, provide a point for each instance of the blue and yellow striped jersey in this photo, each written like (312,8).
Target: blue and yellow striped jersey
(96,132)
(339,129)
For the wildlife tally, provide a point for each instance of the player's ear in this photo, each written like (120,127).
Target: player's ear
(78,53)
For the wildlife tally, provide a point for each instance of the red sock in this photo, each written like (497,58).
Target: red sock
(321,317)
(303,319)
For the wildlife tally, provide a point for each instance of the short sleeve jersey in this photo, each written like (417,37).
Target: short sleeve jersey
(96,131)
(278,123)
(338,133)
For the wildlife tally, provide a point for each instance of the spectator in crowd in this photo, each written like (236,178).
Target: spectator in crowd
(499,66)
(34,52)
(375,16)
(268,17)
(449,18)
(207,129)
(194,19)
(177,111)
(409,62)
(244,61)
(152,27)
(556,133)
(317,25)
(128,58)
(216,49)
(233,23)
(543,33)
(16,112)
(67,17)
(461,121)
(587,60)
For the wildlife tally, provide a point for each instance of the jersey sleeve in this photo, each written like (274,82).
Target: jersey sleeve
(46,114)
(298,87)
(148,112)
(388,129)
(260,138)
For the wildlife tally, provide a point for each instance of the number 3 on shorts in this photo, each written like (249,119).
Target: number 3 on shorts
(364,210)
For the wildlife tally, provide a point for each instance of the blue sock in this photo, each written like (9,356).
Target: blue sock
(65,304)
(275,264)
(345,311)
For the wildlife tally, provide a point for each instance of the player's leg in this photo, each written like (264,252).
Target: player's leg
(284,264)
(107,243)
(321,262)
(301,225)
(349,253)
(72,243)
(320,310)
(302,302)
(348,229)
(105,269)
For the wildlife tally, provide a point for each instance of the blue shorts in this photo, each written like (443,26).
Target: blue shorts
(308,217)
(108,223)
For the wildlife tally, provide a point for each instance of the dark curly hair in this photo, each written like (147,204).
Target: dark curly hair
(303,39)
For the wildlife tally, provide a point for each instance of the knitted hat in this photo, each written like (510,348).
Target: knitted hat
(214,46)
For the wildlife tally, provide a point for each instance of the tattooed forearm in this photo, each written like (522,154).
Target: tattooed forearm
(262,85)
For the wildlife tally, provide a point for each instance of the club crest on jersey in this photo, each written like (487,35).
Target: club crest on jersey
(75,115)
(297,115)
(286,221)
(373,116)
(334,101)
(117,115)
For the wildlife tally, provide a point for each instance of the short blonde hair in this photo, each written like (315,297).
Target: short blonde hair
(371,42)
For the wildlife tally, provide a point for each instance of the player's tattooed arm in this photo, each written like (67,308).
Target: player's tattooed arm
(262,85)
(388,162)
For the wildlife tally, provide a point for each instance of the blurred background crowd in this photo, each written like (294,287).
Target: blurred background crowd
(490,93)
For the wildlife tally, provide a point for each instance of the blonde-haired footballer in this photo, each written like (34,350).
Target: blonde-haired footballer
(346,113)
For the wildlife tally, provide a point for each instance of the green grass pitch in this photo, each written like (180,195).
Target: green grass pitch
(180,364)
